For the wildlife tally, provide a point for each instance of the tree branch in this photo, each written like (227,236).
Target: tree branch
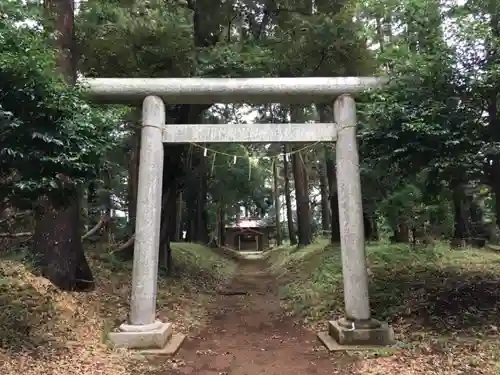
(16,235)
(15,216)
(125,245)
(103,221)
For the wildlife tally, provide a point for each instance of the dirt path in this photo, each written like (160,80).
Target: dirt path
(250,335)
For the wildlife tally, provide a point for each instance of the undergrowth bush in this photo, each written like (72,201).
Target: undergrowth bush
(432,287)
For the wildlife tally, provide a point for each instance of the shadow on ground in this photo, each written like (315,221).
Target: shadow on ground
(443,300)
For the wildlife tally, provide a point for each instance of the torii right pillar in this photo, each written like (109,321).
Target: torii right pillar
(357,328)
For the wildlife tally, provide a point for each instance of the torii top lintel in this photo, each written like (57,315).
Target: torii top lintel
(303,90)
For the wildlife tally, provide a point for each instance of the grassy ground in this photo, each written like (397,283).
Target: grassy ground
(444,304)
(45,331)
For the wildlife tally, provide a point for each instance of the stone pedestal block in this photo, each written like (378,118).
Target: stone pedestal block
(346,335)
(372,333)
(136,337)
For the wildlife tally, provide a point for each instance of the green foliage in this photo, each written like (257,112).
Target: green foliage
(49,135)
(427,127)
(406,284)
(147,39)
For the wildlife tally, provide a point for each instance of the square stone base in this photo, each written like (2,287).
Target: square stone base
(157,341)
(341,337)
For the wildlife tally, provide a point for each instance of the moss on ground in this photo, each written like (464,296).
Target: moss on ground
(443,304)
(44,330)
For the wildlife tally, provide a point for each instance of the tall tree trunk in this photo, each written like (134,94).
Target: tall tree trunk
(56,241)
(288,198)
(494,169)
(478,232)
(127,253)
(375,235)
(222,220)
(133,177)
(277,208)
(461,229)
(220,225)
(326,216)
(173,171)
(89,203)
(201,204)
(167,229)
(179,228)
(108,205)
(326,115)
(190,195)
(206,20)
(196,199)
(60,19)
(402,231)
(302,199)
(492,96)
(301,191)
(333,197)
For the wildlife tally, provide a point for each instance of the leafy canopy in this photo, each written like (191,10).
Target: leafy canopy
(48,132)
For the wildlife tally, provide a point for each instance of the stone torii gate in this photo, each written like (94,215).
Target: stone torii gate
(143,331)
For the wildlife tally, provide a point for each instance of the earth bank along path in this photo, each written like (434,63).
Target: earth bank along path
(249,334)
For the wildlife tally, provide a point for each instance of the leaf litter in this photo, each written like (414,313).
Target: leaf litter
(46,331)
(443,308)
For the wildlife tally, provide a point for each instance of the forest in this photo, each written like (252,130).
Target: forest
(429,158)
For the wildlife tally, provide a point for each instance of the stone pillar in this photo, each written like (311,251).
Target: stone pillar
(357,328)
(148,214)
(143,330)
(352,241)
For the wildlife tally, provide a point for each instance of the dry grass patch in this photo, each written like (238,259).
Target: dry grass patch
(45,331)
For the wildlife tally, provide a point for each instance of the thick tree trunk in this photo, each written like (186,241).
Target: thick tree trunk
(277,208)
(57,238)
(57,246)
(288,198)
(60,19)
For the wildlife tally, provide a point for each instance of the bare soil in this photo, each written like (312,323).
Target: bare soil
(249,333)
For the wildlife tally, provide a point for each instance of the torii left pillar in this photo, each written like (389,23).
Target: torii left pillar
(143,330)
